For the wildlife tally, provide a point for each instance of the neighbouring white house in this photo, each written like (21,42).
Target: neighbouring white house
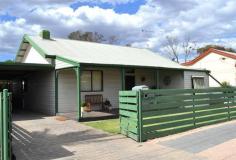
(57,75)
(221,64)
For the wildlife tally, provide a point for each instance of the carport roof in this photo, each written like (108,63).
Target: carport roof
(9,71)
(25,66)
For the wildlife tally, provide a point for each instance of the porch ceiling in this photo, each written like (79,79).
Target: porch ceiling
(16,70)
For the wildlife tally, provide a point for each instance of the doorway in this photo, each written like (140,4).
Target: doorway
(129,79)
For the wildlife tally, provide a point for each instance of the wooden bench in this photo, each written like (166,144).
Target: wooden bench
(95,99)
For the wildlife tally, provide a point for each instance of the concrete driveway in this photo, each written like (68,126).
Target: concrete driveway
(38,137)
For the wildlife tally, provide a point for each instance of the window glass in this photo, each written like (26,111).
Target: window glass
(198,82)
(86,81)
(97,80)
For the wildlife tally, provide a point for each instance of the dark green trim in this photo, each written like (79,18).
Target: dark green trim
(53,62)
(122,72)
(56,92)
(66,68)
(1,126)
(25,66)
(77,70)
(133,66)
(157,81)
(140,118)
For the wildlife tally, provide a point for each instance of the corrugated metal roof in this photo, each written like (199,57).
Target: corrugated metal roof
(96,53)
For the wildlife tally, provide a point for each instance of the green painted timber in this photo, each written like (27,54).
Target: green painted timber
(162,112)
(140,117)
(77,71)
(5,126)
(131,107)
(56,92)
(122,73)
(1,128)
(129,118)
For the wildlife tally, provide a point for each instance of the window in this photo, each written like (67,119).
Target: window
(91,81)
(198,82)
(86,77)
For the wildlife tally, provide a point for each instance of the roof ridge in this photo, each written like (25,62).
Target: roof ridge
(116,45)
(223,51)
(207,52)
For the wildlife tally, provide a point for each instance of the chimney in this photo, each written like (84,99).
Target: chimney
(45,34)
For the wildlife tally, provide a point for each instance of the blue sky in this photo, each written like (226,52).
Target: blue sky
(141,23)
(130,7)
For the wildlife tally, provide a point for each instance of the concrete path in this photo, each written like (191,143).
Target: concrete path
(38,137)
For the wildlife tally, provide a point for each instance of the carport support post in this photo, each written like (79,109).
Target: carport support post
(157,79)
(122,73)
(77,70)
(56,92)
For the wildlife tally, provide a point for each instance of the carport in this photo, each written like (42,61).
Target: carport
(32,86)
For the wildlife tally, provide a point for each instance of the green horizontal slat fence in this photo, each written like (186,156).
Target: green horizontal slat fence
(5,126)
(167,111)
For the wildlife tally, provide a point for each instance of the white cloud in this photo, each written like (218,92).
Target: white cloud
(11,33)
(206,21)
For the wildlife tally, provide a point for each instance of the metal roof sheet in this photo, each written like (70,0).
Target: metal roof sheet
(97,53)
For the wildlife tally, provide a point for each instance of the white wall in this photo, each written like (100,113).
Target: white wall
(222,70)
(111,86)
(32,56)
(40,95)
(188,78)
(67,94)
(177,79)
(149,76)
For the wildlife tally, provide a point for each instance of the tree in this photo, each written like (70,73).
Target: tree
(86,36)
(178,50)
(172,48)
(92,37)
(9,61)
(219,47)
(112,39)
(188,47)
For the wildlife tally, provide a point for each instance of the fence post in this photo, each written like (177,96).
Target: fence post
(140,118)
(5,126)
(228,102)
(9,100)
(1,128)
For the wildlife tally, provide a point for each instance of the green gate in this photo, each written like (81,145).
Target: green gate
(5,125)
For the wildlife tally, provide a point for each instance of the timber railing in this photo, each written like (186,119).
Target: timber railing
(148,114)
(5,126)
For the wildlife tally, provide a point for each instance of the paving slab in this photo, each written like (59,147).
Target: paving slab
(39,137)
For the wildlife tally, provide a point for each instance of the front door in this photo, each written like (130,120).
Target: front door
(129,82)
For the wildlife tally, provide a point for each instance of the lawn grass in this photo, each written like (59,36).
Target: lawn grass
(110,125)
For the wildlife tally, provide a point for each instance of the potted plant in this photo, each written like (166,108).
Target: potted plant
(107,105)
(84,104)
(86,107)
